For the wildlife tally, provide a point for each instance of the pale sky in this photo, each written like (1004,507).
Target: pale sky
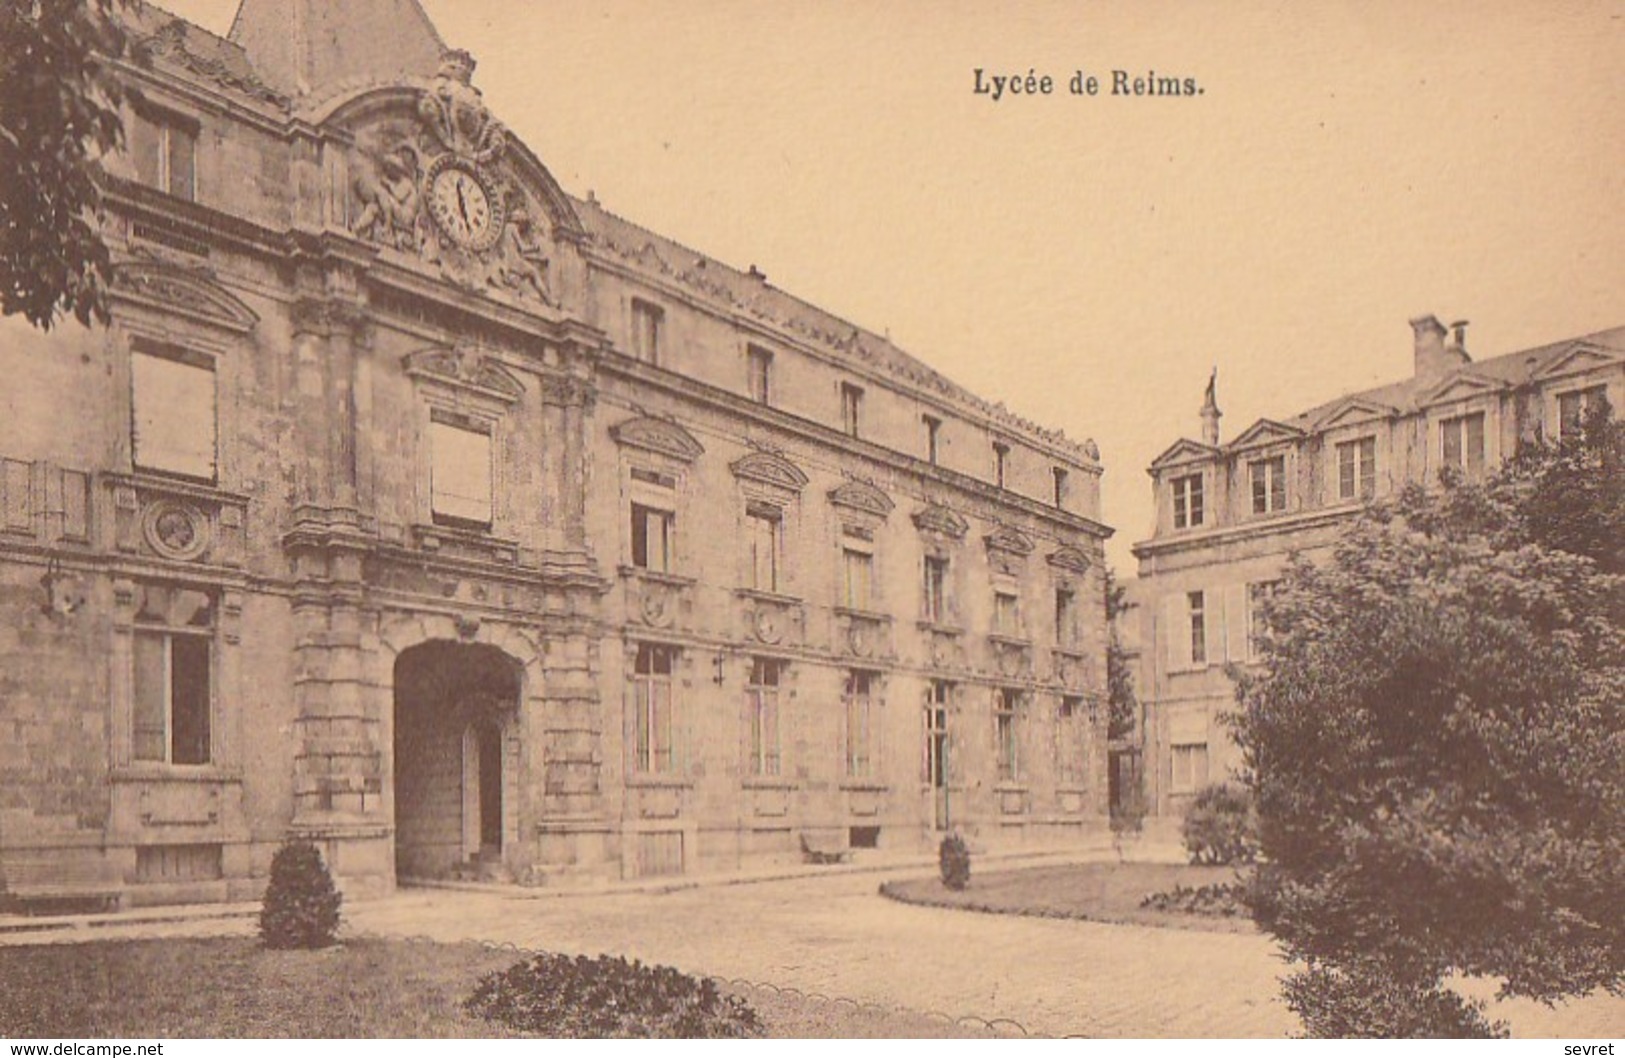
(1088,260)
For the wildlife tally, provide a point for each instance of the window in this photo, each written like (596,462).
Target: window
(459,470)
(936,589)
(763,525)
(647,323)
(1006,739)
(1187,501)
(1196,604)
(1006,613)
(1269,484)
(1059,474)
(653,538)
(1069,742)
(652,703)
(1189,767)
(1357,469)
(860,726)
(172,412)
(762,713)
(937,701)
(164,150)
(857,579)
(851,409)
(932,425)
(173,700)
(1461,442)
(1257,593)
(1001,455)
(1574,408)
(760,366)
(1066,632)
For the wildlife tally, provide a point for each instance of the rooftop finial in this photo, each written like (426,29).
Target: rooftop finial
(1210,409)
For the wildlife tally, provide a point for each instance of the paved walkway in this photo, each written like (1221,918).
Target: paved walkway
(832,933)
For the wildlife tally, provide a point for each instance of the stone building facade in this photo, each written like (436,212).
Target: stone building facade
(1229,514)
(418,507)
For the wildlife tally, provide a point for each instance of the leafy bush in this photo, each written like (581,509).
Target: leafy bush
(1369,1002)
(1219,826)
(301,908)
(1221,900)
(954,859)
(595,998)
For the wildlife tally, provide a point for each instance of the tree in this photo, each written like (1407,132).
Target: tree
(1436,746)
(301,906)
(59,114)
(1123,708)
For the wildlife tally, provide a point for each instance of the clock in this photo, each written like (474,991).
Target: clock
(467,206)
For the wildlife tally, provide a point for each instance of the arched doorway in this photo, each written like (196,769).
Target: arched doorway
(456,705)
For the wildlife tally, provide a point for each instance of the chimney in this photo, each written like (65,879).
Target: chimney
(1433,360)
(1210,411)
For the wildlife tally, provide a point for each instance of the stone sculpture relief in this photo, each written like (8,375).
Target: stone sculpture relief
(433,187)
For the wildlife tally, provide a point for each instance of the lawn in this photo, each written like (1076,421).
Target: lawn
(231,987)
(1104,892)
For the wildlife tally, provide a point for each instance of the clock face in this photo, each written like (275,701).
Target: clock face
(462,207)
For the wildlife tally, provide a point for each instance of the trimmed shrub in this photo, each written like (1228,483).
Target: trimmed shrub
(954,860)
(301,908)
(1221,900)
(604,997)
(1219,826)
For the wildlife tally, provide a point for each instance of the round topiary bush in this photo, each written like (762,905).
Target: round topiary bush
(954,860)
(1219,826)
(301,908)
(596,998)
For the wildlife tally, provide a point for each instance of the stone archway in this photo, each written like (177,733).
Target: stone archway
(456,708)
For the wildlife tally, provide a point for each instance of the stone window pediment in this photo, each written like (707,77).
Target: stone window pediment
(660,436)
(863,497)
(770,468)
(465,370)
(935,518)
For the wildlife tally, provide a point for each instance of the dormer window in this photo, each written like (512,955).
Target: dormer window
(1187,491)
(1268,478)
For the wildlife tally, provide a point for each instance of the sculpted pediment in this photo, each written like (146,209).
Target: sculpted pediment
(770,468)
(658,435)
(1462,387)
(861,496)
(465,369)
(1069,558)
(174,290)
(1005,538)
(434,176)
(935,518)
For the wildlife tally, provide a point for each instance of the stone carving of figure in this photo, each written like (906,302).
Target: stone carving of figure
(456,114)
(523,264)
(390,199)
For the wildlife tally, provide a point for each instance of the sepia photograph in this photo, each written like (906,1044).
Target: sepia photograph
(806,520)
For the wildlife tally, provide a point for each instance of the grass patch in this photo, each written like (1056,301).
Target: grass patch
(1103,892)
(362,989)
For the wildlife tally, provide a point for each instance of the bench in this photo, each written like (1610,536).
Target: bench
(824,850)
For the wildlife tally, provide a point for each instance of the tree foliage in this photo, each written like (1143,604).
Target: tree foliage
(1123,707)
(1436,747)
(59,114)
(301,907)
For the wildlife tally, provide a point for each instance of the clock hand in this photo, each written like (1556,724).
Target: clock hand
(462,204)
